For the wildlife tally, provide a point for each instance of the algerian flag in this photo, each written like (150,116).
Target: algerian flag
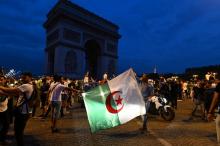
(114,103)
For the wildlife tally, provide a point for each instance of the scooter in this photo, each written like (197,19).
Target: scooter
(159,106)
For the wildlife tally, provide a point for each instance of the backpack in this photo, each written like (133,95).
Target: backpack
(34,100)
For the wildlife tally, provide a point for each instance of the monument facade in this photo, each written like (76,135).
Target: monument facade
(78,41)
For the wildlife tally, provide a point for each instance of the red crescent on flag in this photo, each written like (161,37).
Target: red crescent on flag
(108,103)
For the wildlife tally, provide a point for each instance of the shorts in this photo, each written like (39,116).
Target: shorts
(55,106)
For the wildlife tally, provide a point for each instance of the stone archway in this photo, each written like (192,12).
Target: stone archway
(92,54)
(50,65)
(71,62)
(94,40)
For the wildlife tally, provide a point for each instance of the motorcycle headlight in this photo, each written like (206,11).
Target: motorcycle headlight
(165,100)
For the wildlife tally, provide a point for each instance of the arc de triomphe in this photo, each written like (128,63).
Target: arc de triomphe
(78,41)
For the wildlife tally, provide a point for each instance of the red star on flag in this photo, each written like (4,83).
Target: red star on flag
(119,100)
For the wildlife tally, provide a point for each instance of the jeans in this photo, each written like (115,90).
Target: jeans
(19,126)
(4,125)
(147,106)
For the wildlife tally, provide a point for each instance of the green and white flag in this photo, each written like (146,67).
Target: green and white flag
(114,103)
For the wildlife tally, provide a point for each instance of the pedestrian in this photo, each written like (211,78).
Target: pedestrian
(44,92)
(208,95)
(147,91)
(23,109)
(210,115)
(198,96)
(4,115)
(64,97)
(174,93)
(49,81)
(55,100)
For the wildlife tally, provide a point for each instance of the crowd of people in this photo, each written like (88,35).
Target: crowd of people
(20,99)
(204,94)
(24,98)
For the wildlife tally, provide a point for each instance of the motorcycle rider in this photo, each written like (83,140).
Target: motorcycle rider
(147,91)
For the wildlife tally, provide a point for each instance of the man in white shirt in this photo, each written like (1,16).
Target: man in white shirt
(23,111)
(55,100)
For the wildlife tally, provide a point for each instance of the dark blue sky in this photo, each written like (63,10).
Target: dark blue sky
(170,34)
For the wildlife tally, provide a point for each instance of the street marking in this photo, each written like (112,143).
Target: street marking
(161,140)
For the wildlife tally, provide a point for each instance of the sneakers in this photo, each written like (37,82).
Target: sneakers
(143,130)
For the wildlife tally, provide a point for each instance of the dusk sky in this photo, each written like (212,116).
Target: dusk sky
(171,34)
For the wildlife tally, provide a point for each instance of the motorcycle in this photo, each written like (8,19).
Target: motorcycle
(159,106)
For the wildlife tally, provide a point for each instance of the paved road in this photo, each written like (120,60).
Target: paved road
(75,131)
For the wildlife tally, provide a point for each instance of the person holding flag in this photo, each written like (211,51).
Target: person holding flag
(147,91)
(116,102)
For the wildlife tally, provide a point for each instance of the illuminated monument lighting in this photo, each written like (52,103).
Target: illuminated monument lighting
(78,41)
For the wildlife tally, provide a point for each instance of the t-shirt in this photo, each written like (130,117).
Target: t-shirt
(3,104)
(146,90)
(57,89)
(27,90)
